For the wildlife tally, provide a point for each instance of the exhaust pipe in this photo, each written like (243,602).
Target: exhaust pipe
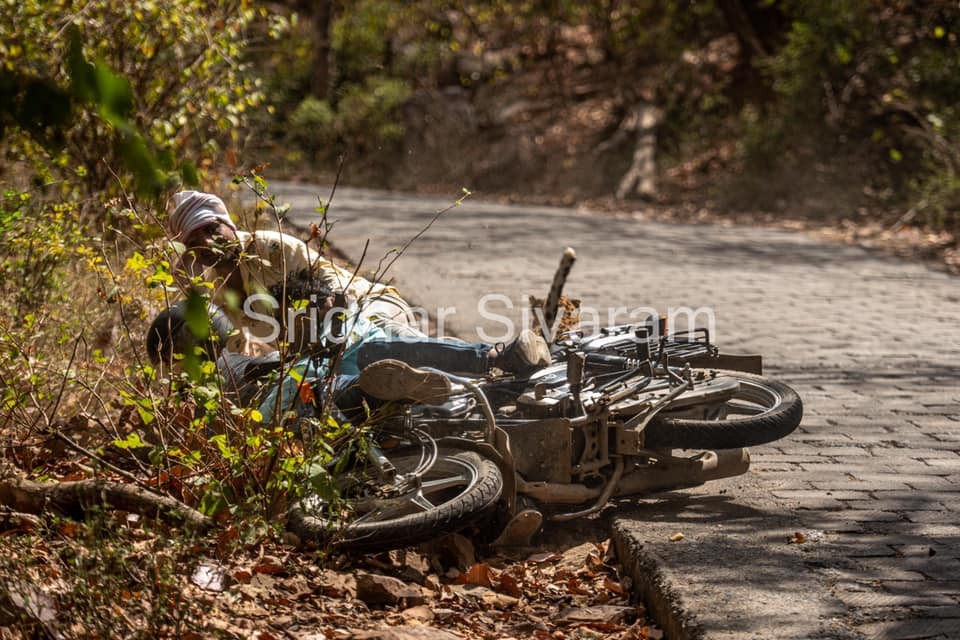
(684,473)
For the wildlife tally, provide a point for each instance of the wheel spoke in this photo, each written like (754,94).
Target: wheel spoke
(715,413)
(442,484)
(368,517)
(744,409)
(759,411)
(452,492)
(394,508)
(421,501)
(414,500)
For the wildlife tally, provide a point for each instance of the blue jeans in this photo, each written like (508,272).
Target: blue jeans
(446,354)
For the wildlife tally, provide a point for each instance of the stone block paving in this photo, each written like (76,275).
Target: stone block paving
(871,343)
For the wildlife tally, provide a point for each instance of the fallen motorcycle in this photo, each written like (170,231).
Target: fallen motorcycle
(625,412)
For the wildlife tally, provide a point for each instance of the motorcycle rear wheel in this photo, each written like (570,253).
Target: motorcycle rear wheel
(763,410)
(455,492)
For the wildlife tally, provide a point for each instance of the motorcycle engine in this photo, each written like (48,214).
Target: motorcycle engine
(543,402)
(549,396)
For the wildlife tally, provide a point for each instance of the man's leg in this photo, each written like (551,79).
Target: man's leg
(446,354)
(394,315)
(523,356)
(387,380)
(350,400)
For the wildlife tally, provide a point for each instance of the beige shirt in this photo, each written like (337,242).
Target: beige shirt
(265,258)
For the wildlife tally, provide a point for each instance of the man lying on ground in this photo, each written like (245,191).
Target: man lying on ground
(243,264)
(365,353)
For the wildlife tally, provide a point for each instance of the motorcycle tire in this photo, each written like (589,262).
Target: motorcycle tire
(773,410)
(457,490)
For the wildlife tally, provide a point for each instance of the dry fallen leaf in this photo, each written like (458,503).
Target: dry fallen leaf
(598,614)
(509,585)
(498,600)
(614,586)
(242,576)
(595,562)
(575,587)
(334,584)
(479,574)
(420,614)
(209,577)
(537,558)
(226,539)
(68,528)
(307,394)
(270,565)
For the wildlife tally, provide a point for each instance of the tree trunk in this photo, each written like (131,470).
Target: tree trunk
(320,80)
(641,178)
(739,22)
(74,498)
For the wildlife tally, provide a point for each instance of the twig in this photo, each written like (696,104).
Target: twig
(906,218)
(70,442)
(66,376)
(356,270)
(336,179)
(325,225)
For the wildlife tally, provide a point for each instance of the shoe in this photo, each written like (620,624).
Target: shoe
(396,380)
(524,355)
(520,530)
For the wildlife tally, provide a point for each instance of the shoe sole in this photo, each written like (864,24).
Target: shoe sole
(396,380)
(535,348)
(533,351)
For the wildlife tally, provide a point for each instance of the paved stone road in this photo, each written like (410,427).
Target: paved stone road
(871,343)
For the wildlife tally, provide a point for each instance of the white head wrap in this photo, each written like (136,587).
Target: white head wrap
(194,210)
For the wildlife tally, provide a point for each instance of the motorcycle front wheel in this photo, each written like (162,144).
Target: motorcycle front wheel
(457,489)
(761,411)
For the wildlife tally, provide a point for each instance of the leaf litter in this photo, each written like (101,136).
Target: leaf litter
(444,589)
(579,592)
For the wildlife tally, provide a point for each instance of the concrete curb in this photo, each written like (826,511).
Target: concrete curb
(655,587)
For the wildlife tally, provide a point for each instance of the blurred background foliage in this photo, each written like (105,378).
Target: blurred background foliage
(97,92)
(767,104)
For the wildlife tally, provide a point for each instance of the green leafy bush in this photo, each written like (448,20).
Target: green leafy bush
(369,114)
(313,125)
(38,242)
(938,199)
(179,79)
(878,79)
(366,119)
(362,39)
